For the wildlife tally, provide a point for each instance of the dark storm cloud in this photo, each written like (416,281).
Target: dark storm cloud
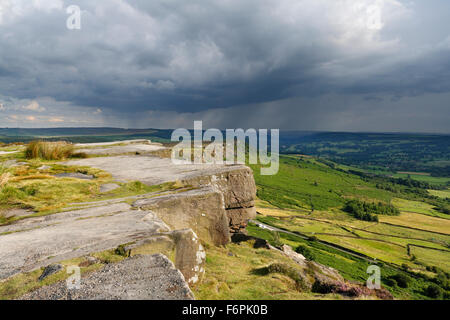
(180,59)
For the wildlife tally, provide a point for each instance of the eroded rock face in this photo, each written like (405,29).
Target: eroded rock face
(201,210)
(182,245)
(190,255)
(235,183)
(238,188)
(238,219)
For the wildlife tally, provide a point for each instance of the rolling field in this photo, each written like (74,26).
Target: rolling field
(351,267)
(307,198)
(418,207)
(385,244)
(432,257)
(419,221)
(423,177)
(384,153)
(440,193)
(306,184)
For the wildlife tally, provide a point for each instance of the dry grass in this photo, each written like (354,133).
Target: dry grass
(4,178)
(230,274)
(49,150)
(419,221)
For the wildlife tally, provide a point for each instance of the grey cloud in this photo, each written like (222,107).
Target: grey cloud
(176,59)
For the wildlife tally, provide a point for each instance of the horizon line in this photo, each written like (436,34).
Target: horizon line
(281,130)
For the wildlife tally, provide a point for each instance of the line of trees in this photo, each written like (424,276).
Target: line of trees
(368,211)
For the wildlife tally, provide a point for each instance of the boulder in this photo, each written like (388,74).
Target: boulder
(236,184)
(183,246)
(190,255)
(297,257)
(201,210)
(49,270)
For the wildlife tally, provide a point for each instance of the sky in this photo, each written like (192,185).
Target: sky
(325,65)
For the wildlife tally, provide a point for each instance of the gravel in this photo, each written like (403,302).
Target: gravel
(141,277)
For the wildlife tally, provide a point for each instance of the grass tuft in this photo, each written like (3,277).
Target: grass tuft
(286,270)
(49,150)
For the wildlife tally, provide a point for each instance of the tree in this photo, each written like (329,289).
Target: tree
(434,291)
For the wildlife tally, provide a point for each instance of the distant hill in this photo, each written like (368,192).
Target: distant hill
(51,132)
(380,153)
(8,135)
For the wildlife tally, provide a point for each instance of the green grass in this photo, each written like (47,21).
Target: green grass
(432,258)
(424,178)
(350,267)
(42,193)
(383,242)
(419,221)
(440,193)
(418,207)
(232,274)
(305,184)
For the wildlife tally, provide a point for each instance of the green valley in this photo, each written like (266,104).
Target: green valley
(306,202)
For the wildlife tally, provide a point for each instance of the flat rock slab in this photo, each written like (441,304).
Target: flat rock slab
(13,163)
(150,170)
(120,149)
(38,242)
(17,213)
(102,144)
(75,175)
(108,187)
(7,152)
(141,277)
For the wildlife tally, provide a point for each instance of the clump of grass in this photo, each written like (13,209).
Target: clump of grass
(58,150)
(305,251)
(80,155)
(4,176)
(9,195)
(286,270)
(276,240)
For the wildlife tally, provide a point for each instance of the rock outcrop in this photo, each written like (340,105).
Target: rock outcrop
(209,203)
(202,210)
(234,184)
(239,192)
